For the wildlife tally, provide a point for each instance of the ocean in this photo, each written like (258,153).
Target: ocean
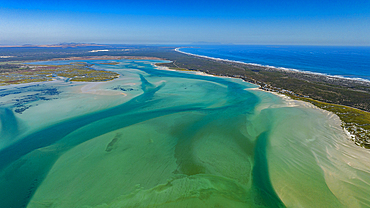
(162,138)
(349,62)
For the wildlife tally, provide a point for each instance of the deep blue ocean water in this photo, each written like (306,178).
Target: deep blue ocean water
(350,62)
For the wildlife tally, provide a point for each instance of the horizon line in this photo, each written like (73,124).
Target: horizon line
(84,44)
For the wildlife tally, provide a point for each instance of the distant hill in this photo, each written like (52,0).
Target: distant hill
(60,45)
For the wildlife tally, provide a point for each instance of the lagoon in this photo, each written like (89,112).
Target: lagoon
(160,138)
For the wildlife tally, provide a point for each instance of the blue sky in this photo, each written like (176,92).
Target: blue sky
(335,22)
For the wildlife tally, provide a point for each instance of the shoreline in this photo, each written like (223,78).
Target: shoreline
(274,67)
(283,96)
(354,131)
(270,88)
(289,101)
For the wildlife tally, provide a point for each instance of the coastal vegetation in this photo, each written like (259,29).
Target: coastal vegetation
(354,121)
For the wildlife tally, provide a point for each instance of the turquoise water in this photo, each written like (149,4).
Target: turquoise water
(159,138)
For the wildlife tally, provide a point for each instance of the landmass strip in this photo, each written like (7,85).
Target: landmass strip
(355,122)
(14,73)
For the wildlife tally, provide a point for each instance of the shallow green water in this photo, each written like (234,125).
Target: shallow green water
(176,140)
